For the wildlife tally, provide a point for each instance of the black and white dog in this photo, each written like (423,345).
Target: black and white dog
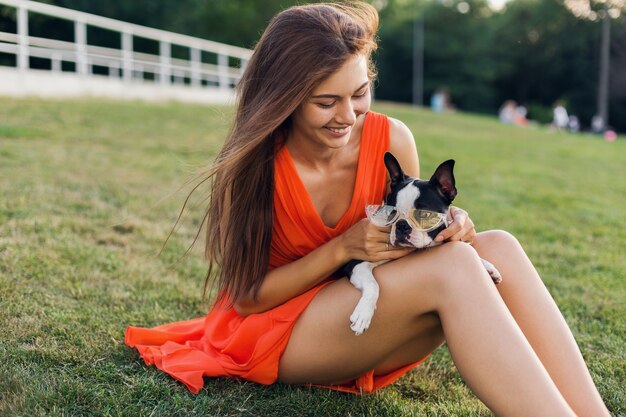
(417,211)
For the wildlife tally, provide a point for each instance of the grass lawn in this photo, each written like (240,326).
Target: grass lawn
(90,189)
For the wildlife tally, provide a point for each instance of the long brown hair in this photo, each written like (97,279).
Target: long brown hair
(301,47)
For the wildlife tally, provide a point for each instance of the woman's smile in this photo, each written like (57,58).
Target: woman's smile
(338,132)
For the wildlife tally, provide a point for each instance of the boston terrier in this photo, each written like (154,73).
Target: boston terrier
(417,211)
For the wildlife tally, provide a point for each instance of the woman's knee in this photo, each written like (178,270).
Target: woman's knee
(459,259)
(504,250)
(460,274)
(493,242)
(422,280)
(454,263)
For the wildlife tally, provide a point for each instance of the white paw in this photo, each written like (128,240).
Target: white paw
(493,271)
(362,316)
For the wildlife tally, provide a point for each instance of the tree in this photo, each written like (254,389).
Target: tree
(544,54)
(456,51)
(604,10)
(533,51)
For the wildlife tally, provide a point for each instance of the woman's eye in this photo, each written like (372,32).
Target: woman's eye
(326,105)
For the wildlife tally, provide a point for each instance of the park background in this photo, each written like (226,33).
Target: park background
(90,189)
(536,52)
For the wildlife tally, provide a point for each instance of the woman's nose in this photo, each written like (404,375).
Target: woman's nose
(346,114)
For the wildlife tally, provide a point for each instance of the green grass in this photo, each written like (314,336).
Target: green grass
(90,189)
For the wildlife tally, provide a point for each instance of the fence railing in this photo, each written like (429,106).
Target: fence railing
(208,64)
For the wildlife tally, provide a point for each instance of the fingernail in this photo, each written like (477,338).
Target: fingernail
(438,238)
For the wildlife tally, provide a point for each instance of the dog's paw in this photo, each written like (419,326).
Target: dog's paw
(493,271)
(362,317)
(359,324)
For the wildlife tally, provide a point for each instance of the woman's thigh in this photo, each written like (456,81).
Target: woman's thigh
(405,327)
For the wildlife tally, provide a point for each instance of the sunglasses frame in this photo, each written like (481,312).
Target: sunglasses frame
(370,209)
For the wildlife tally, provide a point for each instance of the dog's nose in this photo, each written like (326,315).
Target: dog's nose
(403,227)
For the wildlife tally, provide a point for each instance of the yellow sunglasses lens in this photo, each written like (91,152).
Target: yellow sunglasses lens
(424,219)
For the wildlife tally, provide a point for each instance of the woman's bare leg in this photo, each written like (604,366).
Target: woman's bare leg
(486,344)
(541,321)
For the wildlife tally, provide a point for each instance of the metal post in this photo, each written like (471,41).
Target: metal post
(22,34)
(80,38)
(418,62)
(603,82)
(165,70)
(196,76)
(127,56)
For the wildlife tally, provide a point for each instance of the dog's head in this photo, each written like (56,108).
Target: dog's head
(418,202)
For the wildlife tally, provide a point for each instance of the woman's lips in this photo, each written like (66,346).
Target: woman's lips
(338,131)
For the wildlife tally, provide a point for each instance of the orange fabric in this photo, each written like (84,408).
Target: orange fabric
(225,344)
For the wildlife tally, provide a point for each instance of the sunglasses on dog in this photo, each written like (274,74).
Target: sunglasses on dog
(383,215)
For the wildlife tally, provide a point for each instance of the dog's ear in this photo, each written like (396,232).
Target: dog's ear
(443,178)
(393,166)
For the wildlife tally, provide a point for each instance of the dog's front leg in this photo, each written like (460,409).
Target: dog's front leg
(492,270)
(362,278)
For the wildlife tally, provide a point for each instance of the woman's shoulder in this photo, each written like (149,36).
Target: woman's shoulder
(400,135)
(399,132)
(402,146)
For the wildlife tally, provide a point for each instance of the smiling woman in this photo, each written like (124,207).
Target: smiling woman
(297,58)
(303,160)
(332,115)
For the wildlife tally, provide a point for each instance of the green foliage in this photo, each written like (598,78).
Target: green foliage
(540,113)
(535,52)
(542,52)
(91,189)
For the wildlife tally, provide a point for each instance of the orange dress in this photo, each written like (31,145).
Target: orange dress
(225,344)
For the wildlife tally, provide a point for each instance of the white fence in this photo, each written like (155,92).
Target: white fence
(208,73)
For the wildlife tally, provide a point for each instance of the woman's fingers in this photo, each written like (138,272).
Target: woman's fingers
(394,253)
(399,253)
(381,234)
(461,227)
(465,233)
(454,231)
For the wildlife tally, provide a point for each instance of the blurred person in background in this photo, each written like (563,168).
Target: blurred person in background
(440,101)
(560,118)
(513,114)
(573,124)
(597,125)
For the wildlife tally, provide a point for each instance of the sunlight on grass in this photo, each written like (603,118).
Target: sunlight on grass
(91,189)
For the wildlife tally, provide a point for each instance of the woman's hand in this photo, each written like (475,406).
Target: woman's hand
(367,242)
(460,227)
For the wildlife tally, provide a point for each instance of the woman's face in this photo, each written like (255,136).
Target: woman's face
(329,114)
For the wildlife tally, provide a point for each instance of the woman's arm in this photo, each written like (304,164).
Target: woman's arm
(362,241)
(290,280)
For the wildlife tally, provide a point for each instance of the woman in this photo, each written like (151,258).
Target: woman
(290,185)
